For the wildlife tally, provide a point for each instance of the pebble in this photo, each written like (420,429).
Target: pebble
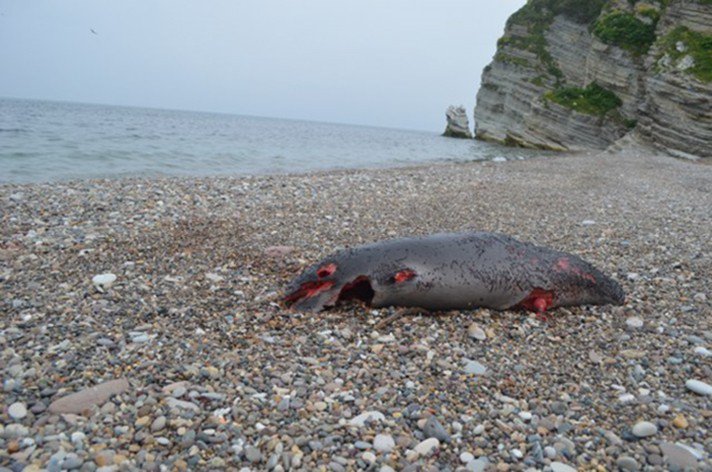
(368,457)
(433,429)
(680,422)
(475,332)
(103,282)
(643,429)
(678,456)
(72,461)
(561,467)
(427,447)
(371,416)
(253,454)
(550,452)
(474,368)
(699,387)
(702,351)
(78,402)
(158,424)
(466,457)
(383,443)
(634,322)
(627,463)
(478,465)
(17,411)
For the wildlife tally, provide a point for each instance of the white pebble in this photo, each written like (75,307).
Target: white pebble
(427,447)
(466,457)
(561,467)
(517,454)
(699,387)
(643,429)
(17,411)
(703,351)
(475,332)
(383,443)
(525,415)
(626,398)
(634,322)
(368,457)
(361,419)
(499,159)
(103,281)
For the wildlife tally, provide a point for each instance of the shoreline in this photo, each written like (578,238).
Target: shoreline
(220,376)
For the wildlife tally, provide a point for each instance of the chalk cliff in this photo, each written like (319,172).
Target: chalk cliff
(580,74)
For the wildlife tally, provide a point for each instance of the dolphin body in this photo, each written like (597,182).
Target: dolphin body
(453,271)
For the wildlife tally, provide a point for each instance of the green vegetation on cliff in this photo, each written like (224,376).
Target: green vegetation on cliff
(592,100)
(624,30)
(694,44)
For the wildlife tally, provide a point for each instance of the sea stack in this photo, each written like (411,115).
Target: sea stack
(457,124)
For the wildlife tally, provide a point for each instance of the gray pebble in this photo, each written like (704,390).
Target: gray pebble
(627,463)
(433,429)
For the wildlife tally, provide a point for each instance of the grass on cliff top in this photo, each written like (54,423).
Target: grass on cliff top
(580,11)
(697,45)
(624,30)
(592,100)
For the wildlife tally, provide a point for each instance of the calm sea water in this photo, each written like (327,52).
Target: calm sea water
(48,141)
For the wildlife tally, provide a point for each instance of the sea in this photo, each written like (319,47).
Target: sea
(45,141)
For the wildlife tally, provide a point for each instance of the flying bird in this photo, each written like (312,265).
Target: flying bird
(94,32)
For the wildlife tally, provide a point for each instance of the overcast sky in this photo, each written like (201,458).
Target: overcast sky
(394,63)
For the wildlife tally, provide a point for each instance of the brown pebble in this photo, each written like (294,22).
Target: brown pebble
(680,422)
(13,447)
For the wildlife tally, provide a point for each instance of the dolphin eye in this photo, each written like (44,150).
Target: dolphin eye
(326,270)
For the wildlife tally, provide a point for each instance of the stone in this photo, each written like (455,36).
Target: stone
(680,422)
(278,252)
(427,447)
(17,411)
(361,419)
(702,351)
(678,456)
(368,457)
(478,465)
(72,461)
(466,457)
(458,126)
(80,401)
(475,332)
(103,282)
(643,429)
(253,454)
(634,322)
(433,429)
(158,424)
(627,463)
(474,368)
(561,467)
(384,443)
(699,387)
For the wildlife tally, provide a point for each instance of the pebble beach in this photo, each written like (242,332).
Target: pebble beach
(141,329)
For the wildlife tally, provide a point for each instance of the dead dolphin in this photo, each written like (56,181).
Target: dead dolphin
(453,271)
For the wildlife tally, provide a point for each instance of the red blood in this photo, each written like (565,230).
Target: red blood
(404,276)
(538,300)
(308,290)
(326,271)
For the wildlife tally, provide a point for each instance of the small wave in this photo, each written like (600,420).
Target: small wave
(13,130)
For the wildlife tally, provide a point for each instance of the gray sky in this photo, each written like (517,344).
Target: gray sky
(396,63)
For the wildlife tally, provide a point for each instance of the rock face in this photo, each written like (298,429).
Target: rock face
(457,124)
(581,74)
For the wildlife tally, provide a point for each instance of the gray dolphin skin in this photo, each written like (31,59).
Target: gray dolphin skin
(452,271)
